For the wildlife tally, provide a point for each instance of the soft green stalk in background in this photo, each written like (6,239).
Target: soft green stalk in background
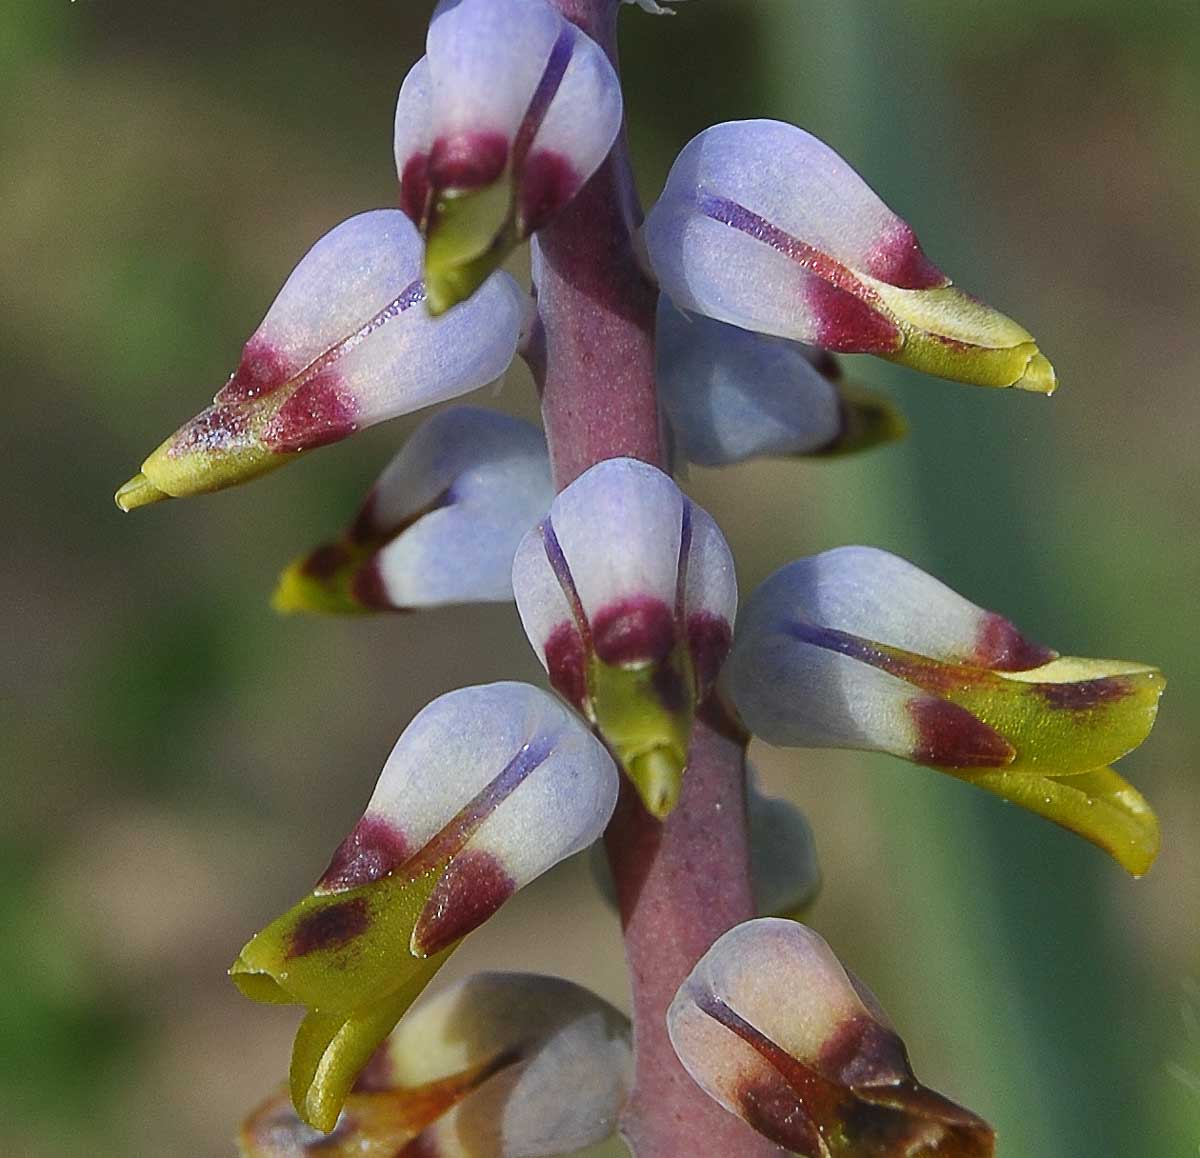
(162,166)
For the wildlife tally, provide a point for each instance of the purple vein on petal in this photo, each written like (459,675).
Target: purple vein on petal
(681,570)
(562,572)
(539,103)
(454,835)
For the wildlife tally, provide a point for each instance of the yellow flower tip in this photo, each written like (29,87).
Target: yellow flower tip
(139,491)
(658,777)
(256,984)
(299,592)
(472,234)
(1039,376)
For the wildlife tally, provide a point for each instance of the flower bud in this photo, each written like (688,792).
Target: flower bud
(499,126)
(501,1065)
(857,648)
(344,346)
(440,526)
(732,395)
(770,1025)
(627,593)
(446,839)
(764,226)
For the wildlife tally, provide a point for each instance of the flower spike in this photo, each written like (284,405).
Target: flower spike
(499,126)
(627,593)
(440,526)
(732,395)
(503,1065)
(857,648)
(487,788)
(764,226)
(342,348)
(772,1026)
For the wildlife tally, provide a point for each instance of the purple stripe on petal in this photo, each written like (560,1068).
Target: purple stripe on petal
(838,298)
(562,572)
(547,88)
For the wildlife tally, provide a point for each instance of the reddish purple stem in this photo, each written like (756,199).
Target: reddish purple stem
(682,883)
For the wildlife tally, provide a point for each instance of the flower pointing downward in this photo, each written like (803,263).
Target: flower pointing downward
(627,593)
(497,128)
(446,839)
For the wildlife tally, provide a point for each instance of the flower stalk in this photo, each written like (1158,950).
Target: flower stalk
(683,882)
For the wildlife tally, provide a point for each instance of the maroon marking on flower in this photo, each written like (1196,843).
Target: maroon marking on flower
(772,1108)
(824,363)
(366,528)
(899,260)
(670,687)
(636,629)
(321,411)
(414,188)
(473,887)
(373,850)
(862,1052)
(548,182)
(847,324)
(262,369)
(369,587)
(329,927)
(467,161)
(709,639)
(837,298)
(951,737)
(326,561)
(1001,647)
(219,429)
(566,664)
(1083,695)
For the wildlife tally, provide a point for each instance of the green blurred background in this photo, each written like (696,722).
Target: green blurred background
(179,762)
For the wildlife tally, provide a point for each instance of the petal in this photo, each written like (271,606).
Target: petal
(568,1073)
(1100,806)
(447,837)
(626,591)
(342,347)
(732,395)
(772,1027)
(412,139)
(524,107)
(764,226)
(783,857)
(440,526)
(826,654)
(509,1065)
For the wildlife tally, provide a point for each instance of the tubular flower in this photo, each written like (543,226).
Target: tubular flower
(771,1026)
(440,526)
(445,841)
(498,127)
(627,593)
(857,648)
(764,226)
(731,395)
(501,1065)
(346,344)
